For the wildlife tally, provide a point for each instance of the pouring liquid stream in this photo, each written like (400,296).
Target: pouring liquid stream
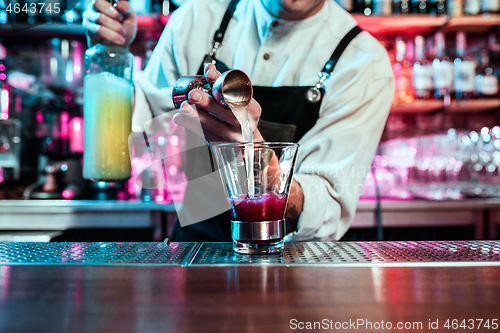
(241,113)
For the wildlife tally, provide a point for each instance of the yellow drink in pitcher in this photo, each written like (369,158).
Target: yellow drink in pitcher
(108,123)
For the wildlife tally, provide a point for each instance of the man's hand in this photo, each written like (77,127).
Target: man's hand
(116,24)
(217,123)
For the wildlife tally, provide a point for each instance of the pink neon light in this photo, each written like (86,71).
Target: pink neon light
(4,102)
(39,117)
(68,194)
(3,76)
(64,125)
(77,60)
(76,134)
(2,67)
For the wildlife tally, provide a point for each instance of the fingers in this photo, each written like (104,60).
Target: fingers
(124,8)
(111,24)
(211,73)
(112,36)
(106,8)
(210,123)
(254,111)
(204,101)
(103,20)
(208,67)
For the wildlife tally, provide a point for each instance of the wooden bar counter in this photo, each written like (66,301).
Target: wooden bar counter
(248,297)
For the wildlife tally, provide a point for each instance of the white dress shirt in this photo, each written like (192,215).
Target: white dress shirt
(336,154)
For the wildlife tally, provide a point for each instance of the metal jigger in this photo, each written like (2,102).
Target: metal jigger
(182,87)
(232,87)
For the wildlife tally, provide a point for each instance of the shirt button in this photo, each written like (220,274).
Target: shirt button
(275,24)
(266,56)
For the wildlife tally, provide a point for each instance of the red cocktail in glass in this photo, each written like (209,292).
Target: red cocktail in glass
(257,184)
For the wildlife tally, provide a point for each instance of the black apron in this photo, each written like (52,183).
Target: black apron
(277,124)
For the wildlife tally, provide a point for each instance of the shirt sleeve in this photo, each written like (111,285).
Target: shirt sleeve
(336,154)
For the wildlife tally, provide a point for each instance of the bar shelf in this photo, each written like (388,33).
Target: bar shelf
(401,25)
(472,23)
(466,106)
(418,106)
(411,25)
(145,24)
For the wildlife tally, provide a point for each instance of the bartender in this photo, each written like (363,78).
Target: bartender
(337,116)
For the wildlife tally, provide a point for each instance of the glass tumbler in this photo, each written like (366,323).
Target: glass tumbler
(257,179)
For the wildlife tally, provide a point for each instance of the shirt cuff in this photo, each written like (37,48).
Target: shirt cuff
(314,210)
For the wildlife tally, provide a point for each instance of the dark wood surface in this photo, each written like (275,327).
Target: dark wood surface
(239,299)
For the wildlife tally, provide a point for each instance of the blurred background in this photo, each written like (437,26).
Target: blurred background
(435,176)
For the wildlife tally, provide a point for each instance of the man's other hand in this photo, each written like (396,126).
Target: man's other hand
(116,24)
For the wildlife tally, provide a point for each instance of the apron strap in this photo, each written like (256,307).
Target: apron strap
(330,65)
(314,94)
(218,39)
(219,34)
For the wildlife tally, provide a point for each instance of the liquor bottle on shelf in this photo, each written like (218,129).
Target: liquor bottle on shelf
(490,6)
(486,81)
(442,77)
(422,71)
(420,6)
(464,70)
(472,7)
(363,6)
(455,7)
(403,92)
(401,7)
(382,7)
(493,48)
(437,7)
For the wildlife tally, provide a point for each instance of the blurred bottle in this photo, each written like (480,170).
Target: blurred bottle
(437,7)
(362,6)
(442,70)
(464,70)
(490,6)
(404,92)
(382,7)
(486,81)
(472,7)
(455,7)
(108,100)
(422,71)
(420,6)
(493,48)
(401,7)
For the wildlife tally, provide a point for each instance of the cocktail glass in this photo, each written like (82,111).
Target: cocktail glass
(257,197)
